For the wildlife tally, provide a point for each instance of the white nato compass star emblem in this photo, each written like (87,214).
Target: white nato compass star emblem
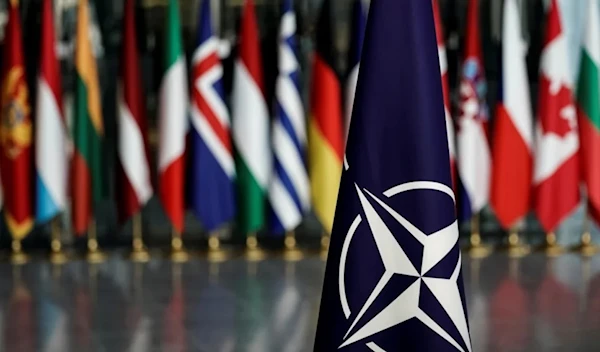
(396,262)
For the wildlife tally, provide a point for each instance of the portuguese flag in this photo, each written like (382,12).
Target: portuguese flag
(15,132)
(88,129)
(588,110)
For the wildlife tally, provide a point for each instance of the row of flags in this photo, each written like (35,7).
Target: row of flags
(529,163)
(223,163)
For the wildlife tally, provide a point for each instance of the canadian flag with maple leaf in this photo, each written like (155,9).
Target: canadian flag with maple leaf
(556,170)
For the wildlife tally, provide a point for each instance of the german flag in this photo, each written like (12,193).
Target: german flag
(326,143)
(15,131)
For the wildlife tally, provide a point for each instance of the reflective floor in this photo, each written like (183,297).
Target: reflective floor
(532,304)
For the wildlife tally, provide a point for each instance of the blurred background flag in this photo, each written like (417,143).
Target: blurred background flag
(250,125)
(588,109)
(15,131)
(51,131)
(212,169)
(135,187)
(173,119)
(513,132)
(88,128)
(359,22)
(474,159)
(289,191)
(326,141)
(439,32)
(556,172)
(396,216)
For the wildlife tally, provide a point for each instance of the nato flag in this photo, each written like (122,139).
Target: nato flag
(393,278)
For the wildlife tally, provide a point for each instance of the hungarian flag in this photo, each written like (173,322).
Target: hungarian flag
(513,139)
(88,129)
(359,22)
(474,156)
(326,140)
(250,126)
(439,32)
(172,123)
(556,171)
(15,131)
(588,109)
(51,133)
(135,188)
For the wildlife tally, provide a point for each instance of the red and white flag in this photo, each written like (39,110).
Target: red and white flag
(439,32)
(513,136)
(556,171)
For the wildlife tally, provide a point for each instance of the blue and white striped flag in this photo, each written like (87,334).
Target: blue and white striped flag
(289,191)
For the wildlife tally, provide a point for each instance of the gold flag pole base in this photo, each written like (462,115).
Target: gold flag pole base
(325,239)
(515,248)
(215,253)
(139,253)
(550,247)
(253,251)
(587,248)
(94,254)
(291,253)
(178,253)
(17,256)
(476,249)
(57,255)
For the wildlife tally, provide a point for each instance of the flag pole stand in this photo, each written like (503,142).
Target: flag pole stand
(551,247)
(253,251)
(215,253)
(291,253)
(17,256)
(514,247)
(139,253)
(94,254)
(57,255)
(586,248)
(178,253)
(476,249)
(325,238)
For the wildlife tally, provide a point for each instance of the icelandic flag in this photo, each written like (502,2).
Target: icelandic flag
(393,277)
(212,170)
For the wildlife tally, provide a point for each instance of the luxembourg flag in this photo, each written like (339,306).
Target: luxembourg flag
(439,33)
(513,139)
(51,134)
(289,191)
(474,157)
(212,169)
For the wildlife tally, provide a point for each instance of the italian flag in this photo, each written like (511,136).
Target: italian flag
(250,126)
(588,110)
(88,129)
(172,122)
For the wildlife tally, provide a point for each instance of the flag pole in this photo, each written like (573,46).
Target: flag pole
(215,253)
(291,253)
(586,248)
(17,256)
(57,255)
(178,253)
(253,251)
(139,253)
(477,249)
(94,254)
(325,239)
(550,246)
(515,248)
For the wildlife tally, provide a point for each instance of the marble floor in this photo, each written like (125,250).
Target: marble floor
(531,304)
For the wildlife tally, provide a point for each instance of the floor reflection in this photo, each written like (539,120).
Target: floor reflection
(531,304)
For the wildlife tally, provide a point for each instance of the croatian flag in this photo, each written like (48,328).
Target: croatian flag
(393,277)
(289,191)
(212,169)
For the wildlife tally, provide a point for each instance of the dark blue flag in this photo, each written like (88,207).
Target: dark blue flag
(393,279)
